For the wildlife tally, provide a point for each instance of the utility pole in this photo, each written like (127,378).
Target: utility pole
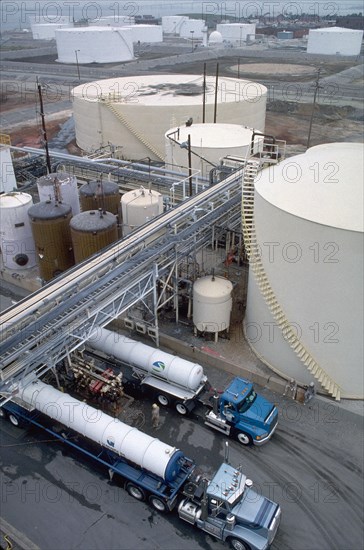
(317,87)
(78,66)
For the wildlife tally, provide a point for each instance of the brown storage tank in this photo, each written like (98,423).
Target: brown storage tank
(100,194)
(91,231)
(49,222)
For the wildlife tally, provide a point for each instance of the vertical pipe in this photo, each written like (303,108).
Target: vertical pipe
(204,95)
(189,165)
(44,131)
(216,86)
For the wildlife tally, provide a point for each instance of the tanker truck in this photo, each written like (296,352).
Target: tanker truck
(237,412)
(225,506)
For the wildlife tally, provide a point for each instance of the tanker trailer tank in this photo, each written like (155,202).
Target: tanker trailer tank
(148,453)
(169,377)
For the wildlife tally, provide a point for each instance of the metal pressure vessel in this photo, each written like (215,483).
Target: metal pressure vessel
(154,361)
(147,452)
(91,231)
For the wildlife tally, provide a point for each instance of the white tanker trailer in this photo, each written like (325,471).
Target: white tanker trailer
(239,411)
(225,506)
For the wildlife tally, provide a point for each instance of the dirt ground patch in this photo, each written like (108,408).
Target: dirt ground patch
(276,69)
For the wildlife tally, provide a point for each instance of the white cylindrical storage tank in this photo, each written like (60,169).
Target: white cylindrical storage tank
(113,21)
(212,304)
(47,31)
(67,191)
(139,207)
(147,33)
(7,181)
(215,39)
(16,240)
(94,45)
(192,28)
(209,143)
(146,452)
(171,24)
(309,230)
(235,32)
(178,371)
(334,41)
(136,114)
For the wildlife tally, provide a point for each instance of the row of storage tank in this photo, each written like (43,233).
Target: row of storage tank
(69,225)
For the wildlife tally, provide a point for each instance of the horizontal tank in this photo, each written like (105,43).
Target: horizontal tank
(209,143)
(212,304)
(147,452)
(52,237)
(91,231)
(135,114)
(166,366)
(61,187)
(16,240)
(94,45)
(139,207)
(100,194)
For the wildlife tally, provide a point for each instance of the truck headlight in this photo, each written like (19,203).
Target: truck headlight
(262,436)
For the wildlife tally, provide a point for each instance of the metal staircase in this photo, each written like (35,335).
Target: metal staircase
(252,167)
(110,105)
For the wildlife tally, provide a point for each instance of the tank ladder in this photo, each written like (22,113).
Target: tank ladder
(108,102)
(252,167)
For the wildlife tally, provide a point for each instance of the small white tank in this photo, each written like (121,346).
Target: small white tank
(67,186)
(212,304)
(16,240)
(139,207)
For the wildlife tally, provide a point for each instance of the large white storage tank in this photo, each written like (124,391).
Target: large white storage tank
(212,304)
(16,240)
(113,21)
(171,24)
(59,186)
(209,143)
(147,33)
(235,32)
(7,175)
(94,45)
(309,230)
(192,28)
(47,31)
(135,113)
(139,207)
(334,41)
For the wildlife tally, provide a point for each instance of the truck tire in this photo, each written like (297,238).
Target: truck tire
(237,544)
(163,400)
(135,491)
(14,420)
(181,409)
(158,504)
(243,438)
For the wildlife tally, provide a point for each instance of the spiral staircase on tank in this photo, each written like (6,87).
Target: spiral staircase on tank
(252,166)
(109,103)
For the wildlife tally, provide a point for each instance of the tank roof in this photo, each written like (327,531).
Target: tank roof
(93,220)
(214,135)
(49,210)
(11,200)
(96,188)
(323,185)
(173,89)
(213,287)
(49,179)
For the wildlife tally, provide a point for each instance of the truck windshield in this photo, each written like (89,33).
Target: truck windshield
(250,398)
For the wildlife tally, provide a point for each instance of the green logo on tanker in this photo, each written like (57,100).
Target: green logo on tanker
(158,367)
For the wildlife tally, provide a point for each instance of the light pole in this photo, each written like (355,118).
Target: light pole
(241,33)
(78,67)
(192,39)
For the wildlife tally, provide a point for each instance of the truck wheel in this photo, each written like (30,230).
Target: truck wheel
(244,438)
(158,504)
(238,544)
(135,491)
(181,408)
(14,420)
(163,400)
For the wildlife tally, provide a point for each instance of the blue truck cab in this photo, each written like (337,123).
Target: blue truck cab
(239,411)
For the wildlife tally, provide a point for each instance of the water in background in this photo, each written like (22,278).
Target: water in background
(16,14)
